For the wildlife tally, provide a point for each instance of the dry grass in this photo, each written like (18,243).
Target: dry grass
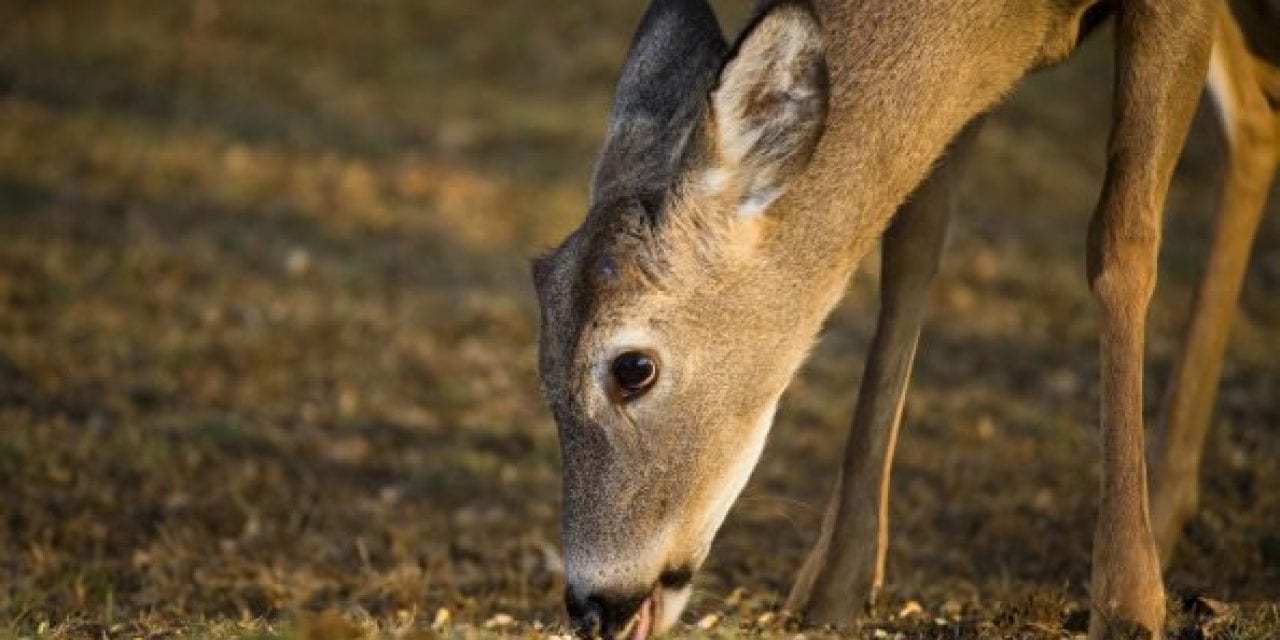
(266,340)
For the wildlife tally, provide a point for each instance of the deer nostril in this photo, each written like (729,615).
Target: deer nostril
(583,612)
(590,625)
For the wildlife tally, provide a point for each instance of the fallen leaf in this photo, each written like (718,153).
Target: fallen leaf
(499,620)
(441,619)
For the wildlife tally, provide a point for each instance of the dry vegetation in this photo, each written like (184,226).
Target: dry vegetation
(266,340)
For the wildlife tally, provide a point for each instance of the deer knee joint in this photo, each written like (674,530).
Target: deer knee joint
(1121,266)
(1255,146)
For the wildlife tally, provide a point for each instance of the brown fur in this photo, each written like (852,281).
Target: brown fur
(724,231)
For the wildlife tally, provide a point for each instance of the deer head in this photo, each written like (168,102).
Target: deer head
(676,314)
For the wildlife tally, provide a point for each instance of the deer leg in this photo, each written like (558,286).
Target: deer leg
(1162,51)
(846,566)
(1252,139)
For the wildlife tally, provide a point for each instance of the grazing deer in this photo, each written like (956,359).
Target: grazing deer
(737,190)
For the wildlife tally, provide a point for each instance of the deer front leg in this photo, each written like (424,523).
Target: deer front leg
(1162,51)
(846,566)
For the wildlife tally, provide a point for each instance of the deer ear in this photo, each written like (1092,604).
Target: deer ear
(674,57)
(770,106)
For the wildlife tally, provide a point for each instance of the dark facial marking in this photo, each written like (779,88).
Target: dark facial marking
(676,578)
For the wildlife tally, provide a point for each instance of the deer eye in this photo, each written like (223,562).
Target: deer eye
(634,373)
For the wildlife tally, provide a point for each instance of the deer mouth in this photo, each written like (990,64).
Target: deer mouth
(662,607)
(644,623)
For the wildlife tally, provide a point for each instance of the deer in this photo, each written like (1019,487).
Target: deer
(737,189)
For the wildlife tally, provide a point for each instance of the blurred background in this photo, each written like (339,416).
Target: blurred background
(267,337)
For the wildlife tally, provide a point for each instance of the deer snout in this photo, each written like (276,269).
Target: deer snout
(635,614)
(602,615)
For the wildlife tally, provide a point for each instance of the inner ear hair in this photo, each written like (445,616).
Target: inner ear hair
(770,106)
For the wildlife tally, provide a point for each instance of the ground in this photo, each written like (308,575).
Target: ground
(267,341)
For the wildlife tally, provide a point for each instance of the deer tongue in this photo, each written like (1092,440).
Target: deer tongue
(642,625)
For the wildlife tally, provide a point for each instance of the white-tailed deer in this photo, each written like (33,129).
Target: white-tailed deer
(736,192)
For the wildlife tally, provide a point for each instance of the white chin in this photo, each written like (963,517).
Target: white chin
(673,603)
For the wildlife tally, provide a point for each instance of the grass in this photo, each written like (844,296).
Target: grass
(267,341)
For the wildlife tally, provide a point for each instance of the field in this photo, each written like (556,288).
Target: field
(267,341)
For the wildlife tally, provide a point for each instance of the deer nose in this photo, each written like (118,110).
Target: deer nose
(601,615)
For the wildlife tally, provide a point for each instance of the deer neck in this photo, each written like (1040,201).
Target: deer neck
(906,76)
